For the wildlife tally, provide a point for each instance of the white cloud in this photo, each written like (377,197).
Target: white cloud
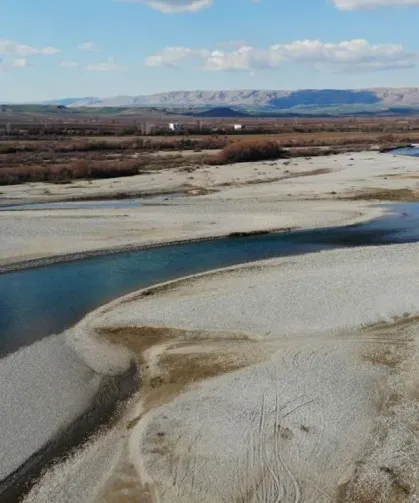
(10,48)
(176,6)
(370,4)
(69,64)
(173,6)
(89,46)
(49,51)
(170,56)
(14,63)
(352,55)
(20,63)
(106,66)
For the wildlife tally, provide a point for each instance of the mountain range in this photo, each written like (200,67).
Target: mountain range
(374,98)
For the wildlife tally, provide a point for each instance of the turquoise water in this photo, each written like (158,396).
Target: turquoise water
(35,303)
(411,151)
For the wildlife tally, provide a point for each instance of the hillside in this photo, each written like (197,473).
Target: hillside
(377,98)
(219,112)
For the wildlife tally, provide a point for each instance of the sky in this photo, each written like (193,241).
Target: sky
(53,49)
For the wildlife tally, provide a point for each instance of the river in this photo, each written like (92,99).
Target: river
(38,302)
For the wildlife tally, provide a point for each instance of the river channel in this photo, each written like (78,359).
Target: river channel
(38,302)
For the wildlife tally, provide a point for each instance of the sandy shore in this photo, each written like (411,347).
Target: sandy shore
(275,382)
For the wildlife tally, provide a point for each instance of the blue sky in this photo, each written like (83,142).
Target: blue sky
(51,49)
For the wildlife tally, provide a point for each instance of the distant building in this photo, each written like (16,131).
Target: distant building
(176,127)
(238,127)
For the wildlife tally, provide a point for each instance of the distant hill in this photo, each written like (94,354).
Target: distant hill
(220,112)
(274,99)
(68,101)
(242,103)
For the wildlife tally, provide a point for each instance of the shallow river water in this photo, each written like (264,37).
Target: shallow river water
(35,303)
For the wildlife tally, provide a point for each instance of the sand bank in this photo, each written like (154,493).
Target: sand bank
(312,177)
(249,394)
(285,391)
(55,393)
(247,197)
(42,237)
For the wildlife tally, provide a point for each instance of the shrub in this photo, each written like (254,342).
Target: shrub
(250,151)
(63,174)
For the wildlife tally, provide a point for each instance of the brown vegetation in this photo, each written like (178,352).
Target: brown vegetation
(65,168)
(59,158)
(138,122)
(249,151)
(136,144)
(72,171)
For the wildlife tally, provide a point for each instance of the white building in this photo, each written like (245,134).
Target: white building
(176,127)
(238,127)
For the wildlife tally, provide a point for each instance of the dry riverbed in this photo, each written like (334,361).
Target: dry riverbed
(248,394)
(288,380)
(301,193)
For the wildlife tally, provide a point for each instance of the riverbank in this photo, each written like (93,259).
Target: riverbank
(57,392)
(248,197)
(275,400)
(284,176)
(245,201)
(181,222)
